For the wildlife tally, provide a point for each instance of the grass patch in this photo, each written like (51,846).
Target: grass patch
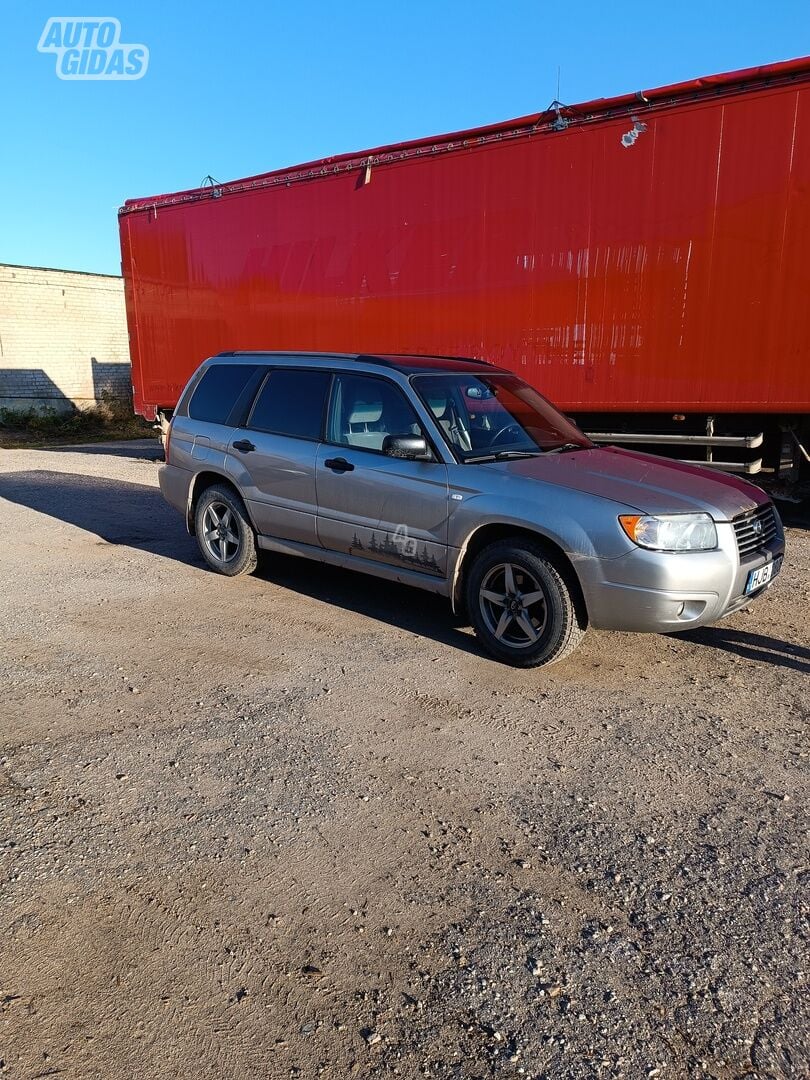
(110,419)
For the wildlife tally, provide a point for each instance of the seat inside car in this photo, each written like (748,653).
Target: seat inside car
(370,420)
(364,428)
(441,405)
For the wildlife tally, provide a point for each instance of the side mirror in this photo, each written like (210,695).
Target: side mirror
(406,446)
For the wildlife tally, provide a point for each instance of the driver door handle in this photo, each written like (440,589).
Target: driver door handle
(338,464)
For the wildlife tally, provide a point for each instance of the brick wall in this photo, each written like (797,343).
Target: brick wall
(63,338)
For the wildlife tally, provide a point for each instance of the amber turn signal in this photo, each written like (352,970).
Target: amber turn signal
(628,522)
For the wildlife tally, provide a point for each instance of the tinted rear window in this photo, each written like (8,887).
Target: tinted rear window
(291,403)
(218,390)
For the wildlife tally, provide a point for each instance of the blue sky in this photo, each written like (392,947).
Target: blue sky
(240,88)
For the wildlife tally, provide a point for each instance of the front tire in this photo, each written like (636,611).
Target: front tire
(224,533)
(520,605)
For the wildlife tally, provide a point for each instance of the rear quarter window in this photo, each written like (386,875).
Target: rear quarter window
(292,403)
(218,391)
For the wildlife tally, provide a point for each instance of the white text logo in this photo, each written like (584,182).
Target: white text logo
(90,47)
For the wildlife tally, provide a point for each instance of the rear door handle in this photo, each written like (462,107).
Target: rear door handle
(338,464)
(245,445)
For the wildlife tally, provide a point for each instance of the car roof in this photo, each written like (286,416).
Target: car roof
(405,362)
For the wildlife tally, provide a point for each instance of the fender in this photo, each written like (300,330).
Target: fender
(589,524)
(194,486)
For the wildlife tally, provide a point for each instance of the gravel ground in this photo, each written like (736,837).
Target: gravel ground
(295,825)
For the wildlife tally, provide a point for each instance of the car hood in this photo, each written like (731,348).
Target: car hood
(650,484)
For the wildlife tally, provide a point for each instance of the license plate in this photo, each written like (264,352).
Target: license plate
(760,577)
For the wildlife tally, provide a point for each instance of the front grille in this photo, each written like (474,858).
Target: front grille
(755,529)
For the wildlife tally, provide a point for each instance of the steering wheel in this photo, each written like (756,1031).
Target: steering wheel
(514,426)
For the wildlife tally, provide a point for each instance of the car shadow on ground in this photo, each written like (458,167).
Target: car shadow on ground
(137,516)
(114,510)
(138,449)
(402,606)
(759,647)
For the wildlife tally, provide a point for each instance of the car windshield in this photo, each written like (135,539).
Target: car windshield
(486,417)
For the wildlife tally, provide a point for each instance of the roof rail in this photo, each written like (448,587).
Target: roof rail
(383,360)
(390,359)
(375,358)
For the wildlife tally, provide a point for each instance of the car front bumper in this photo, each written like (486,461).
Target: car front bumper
(662,592)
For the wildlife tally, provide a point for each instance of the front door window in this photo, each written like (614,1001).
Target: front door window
(364,410)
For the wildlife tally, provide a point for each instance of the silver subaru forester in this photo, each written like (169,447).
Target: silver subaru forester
(458,477)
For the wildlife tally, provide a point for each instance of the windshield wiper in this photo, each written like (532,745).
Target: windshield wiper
(566,447)
(502,455)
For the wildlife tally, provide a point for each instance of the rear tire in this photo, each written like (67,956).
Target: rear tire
(520,605)
(224,533)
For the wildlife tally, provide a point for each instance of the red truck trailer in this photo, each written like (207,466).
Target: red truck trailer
(641,260)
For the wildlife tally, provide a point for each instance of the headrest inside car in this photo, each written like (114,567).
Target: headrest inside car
(366,412)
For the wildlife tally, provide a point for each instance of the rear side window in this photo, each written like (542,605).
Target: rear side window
(291,403)
(218,390)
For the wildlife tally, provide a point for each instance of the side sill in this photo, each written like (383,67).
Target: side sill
(426,582)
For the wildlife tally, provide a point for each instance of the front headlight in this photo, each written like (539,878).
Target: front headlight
(671,532)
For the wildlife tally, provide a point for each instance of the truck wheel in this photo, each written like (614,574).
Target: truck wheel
(520,606)
(224,533)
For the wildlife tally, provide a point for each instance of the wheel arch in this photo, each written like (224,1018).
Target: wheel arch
(201,482)
(487,534)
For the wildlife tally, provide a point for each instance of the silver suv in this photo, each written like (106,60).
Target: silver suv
(457,477)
